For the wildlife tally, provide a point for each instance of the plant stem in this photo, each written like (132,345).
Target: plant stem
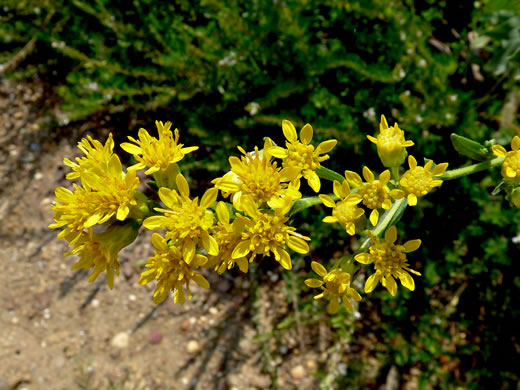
(329,174)
(395,173)
(460,172)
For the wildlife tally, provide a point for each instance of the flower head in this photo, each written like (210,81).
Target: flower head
(511,164)
(301,154)
(335,286)
(254,175)
(156,154)
(375,194)
(418,181)
(266,233)
(173,273)
(100,250)
(187,222)
(390,262)
(228,236)
(96,160)
(390,144)
(345,211)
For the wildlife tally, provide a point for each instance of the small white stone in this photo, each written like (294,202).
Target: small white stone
(95,303)
(132,297)
(298,372)
(213,310)
(120,340)
(38,176)
(193,346)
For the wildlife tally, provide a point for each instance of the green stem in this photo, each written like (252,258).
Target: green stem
(304,203)
(395,173)
(460,172)
(329,174)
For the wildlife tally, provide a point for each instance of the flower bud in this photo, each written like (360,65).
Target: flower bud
(391,145)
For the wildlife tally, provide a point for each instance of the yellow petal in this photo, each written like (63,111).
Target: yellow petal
(368,175)
(209,197)
(510,172)
(278,152)
(326,146)
(319,269)
(200,280)
(131,148)
(353,199)
(412,245)
(188,250)
(222,213)
(384,124)
(354,178)
(333,306)
(384,177)
(391,234)
(428,165)
(210,244)
(159,242)
(364,258)
(374,217)
(412,162)
(412,199)
(327,200)
(354,294)
(350,228)
(241,250)
(397,194)
(406,280)
(182,185)
(122,213)
(289,173)
(499,150)
(156,222)
(289,131)
(314,283)
(330,219)
(314,181)
(306,134)
(347,304)
(387,204)
(298,245)
(372,282)
(515,143)
(168,197)
(439,169)
(372,139)
(338,189)
(284,259)
(390,285)
(243,264)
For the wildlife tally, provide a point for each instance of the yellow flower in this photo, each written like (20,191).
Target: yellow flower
(169,267)
(345,212)
(254,175)
(375,194)
(115,189)
(418,181)
(187,221)
(511,164)
(335,285)
(390,144)
(265,233)
(228,236)
(100,250)
(390,262)
(301,154)
(97,157)
(156,154)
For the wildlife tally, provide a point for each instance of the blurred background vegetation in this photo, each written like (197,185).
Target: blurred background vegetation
(227,72)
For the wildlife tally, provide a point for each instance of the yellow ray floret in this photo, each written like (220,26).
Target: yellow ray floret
(418,181)
(255,175)
(301,154)
(390,144)
(173,273)
(187,222)
(335,286)
(345,211)
(375,194)
(97,157)
(511,164)
(390,262)
(156,154)
(228,236)
(100,250)
(267,233)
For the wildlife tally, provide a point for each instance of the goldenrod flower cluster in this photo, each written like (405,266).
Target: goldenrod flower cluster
(102,212)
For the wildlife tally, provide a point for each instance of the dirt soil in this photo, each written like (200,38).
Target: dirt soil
(57,331)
